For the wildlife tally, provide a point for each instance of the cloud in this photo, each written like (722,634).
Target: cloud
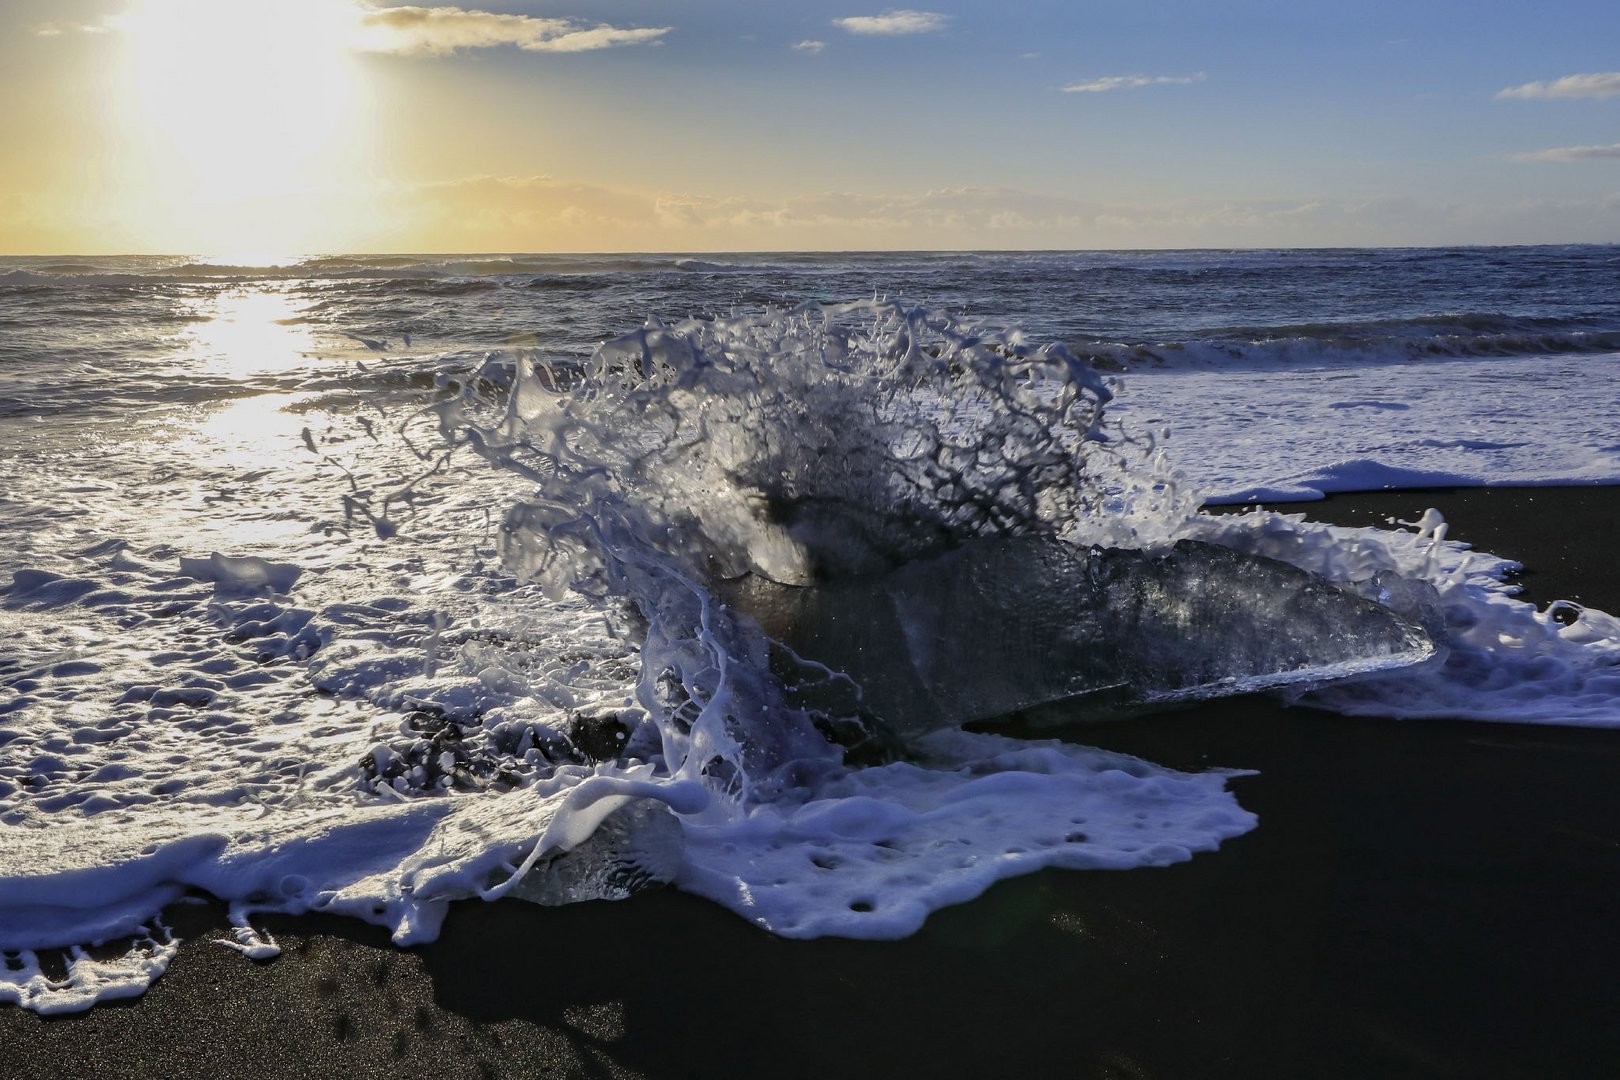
(543,213)
(904,21)
(56,29)
(439,31)
(1572,153)
(411,30)
(810,45)
(554,214)
(548,213)
(1130,82)
(1599,85)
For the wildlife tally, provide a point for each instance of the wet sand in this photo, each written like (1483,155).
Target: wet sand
(1420,899)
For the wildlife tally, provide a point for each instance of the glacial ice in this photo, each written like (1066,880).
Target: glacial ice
(1001,625)
(639,845)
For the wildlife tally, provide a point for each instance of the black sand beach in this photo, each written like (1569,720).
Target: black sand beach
(1424,899)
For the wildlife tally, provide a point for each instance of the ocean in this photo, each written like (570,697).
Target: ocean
(364,585)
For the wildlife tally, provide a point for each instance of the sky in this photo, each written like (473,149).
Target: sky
(268,127)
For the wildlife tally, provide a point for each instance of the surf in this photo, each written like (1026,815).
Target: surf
(427,733)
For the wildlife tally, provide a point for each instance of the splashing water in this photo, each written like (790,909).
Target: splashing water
(612,723)
(819,442)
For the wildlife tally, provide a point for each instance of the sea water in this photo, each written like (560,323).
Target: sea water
(364,585)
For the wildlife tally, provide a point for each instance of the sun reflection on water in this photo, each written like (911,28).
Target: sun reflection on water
(255,432)
(229,458)
(249,331)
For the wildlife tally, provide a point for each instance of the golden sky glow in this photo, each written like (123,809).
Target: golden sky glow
(261,127)
(229,137)
(236,122)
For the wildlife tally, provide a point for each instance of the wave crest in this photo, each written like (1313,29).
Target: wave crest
(1432,337)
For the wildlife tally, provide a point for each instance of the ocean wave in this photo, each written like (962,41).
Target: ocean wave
(430,267)
(706,267)
(455,286)
(574,282)
(26,279)
(1462,335)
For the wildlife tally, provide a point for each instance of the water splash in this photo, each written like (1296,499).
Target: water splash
(814,443)
(803,445)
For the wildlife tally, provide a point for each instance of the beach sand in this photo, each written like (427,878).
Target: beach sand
(1419,899)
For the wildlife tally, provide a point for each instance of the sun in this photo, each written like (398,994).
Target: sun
(242,108)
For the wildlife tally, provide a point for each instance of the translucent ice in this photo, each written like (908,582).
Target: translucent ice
(639,845)
(1000,625)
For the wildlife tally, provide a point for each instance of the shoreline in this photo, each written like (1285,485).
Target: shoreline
(1420,899)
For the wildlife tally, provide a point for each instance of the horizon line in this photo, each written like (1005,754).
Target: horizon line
(402,253)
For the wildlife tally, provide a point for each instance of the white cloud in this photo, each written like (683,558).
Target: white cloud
(58,29)
(810,45)
(1599,85)
(1130,82)
(438,31)
(904,21)
(1572,153)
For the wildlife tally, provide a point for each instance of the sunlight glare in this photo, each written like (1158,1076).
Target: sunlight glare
(249,331)
(240,106)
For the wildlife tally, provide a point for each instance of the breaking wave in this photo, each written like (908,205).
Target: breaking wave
(588,717)
(1454,336)
(815,443)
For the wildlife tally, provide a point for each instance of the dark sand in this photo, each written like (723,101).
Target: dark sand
(1420,899)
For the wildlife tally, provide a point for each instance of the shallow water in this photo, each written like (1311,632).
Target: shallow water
(475,533)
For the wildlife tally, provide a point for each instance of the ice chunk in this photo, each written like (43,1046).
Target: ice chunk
(1001,625)
(639,845)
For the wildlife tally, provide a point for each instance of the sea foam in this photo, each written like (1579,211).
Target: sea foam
(379,726)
